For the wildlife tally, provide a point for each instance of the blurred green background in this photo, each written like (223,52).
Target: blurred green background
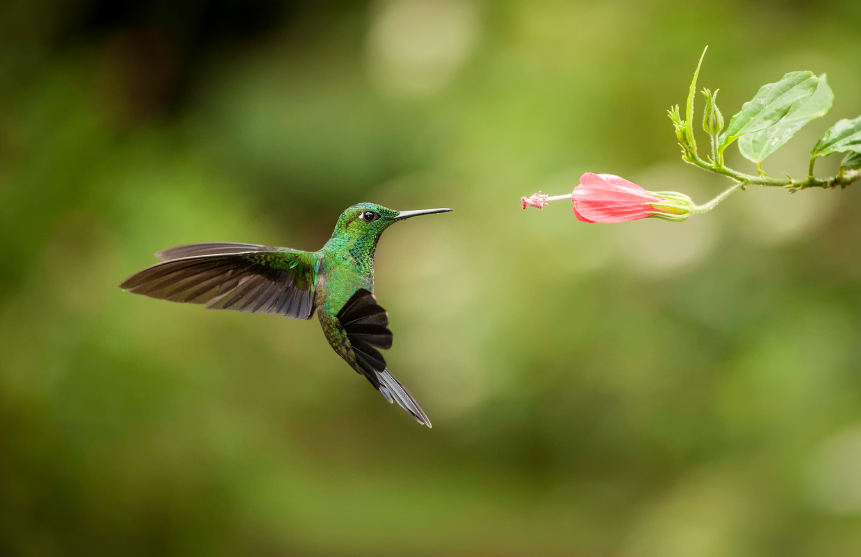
(635,390)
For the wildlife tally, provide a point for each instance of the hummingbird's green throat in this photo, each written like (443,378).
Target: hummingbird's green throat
(337,281)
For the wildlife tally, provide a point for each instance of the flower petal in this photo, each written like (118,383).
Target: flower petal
(580,217)
(621,182)
(598,213)
(594,187)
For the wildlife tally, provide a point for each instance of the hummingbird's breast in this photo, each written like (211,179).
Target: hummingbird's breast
(340,276)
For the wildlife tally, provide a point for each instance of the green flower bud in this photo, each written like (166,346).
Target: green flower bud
(712,119)
(679,126)
(682,135)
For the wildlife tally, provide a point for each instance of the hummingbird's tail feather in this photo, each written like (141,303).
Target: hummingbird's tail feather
(392,389)
(366,326)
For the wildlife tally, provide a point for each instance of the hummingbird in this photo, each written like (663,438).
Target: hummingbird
(337,282)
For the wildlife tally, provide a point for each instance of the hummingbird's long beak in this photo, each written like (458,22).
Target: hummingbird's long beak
(407,214)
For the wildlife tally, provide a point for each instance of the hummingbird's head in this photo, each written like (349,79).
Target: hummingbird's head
(370,219)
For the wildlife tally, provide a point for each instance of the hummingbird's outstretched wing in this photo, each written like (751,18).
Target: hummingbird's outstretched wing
(365,325)
(240,277)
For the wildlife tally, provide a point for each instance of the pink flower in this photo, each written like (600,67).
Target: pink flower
(608,198)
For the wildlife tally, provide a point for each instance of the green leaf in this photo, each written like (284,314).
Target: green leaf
(770,104)
(852,161)
(759,145)
(689,109)
(843,136)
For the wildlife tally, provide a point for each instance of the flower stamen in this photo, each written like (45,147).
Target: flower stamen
(538,200)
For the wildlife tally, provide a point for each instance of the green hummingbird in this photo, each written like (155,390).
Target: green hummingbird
(337,281)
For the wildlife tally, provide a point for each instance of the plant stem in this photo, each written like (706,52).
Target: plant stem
(714,202)
(842,180)
(714,148)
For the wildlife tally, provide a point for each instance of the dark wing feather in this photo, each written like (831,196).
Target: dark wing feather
(275,282)
(366,326)
(213,248)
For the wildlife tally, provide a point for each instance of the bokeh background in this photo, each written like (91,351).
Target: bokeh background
(639,390)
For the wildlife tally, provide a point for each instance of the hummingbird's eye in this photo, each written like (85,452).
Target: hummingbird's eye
(369,216)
